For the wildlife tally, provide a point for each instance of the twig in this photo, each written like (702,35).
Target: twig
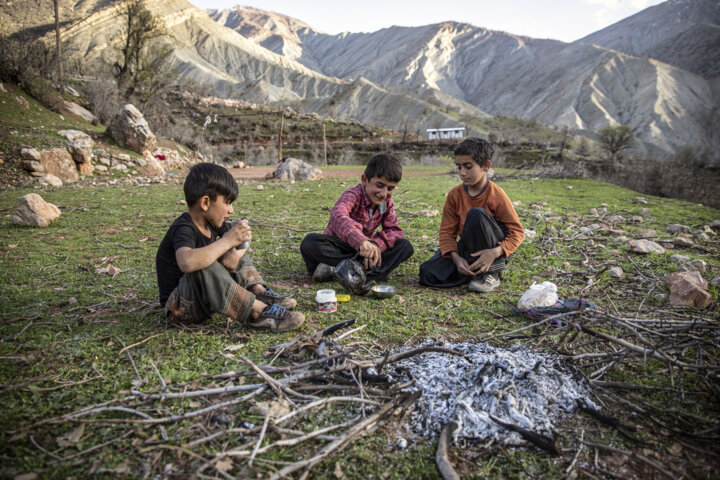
(441,455)
(138,343)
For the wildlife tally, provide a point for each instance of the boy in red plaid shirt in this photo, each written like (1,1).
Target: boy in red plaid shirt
(351,234)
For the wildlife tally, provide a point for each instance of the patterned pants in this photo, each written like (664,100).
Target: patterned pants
(203,293)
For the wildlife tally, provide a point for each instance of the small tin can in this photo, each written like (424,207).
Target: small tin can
(325,301)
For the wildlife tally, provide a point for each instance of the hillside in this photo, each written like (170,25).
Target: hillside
(582,86)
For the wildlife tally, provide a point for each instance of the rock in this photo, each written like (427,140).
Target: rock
(239,165)
(101,168)
(260,187)
(80,147)
(130,129)
(683,242)
(647,234)
(58,162)
(86,168)
(33,166)
(716,281)
(636,219)
(675,228)
(50,180)
(530,234)
(33,211)
(641,200)
(23,103)
(702,237)
(121,167)
(295,169)
(645,246)
(677,258)
(602,210)
(715,224)
(621,239)
(594,212)
(615,219)
(696,265)
(104,161)
(122,157)
(615,272)
(30,154)
(153,167)
(644,212)
(688,289)
(2,88)
(569,187)
(80,111)
(71,91)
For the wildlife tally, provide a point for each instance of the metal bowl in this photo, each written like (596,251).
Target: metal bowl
(383,291)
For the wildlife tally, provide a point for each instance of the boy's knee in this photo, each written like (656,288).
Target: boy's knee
(477,213)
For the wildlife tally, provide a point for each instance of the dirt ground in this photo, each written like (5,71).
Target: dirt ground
(258,173)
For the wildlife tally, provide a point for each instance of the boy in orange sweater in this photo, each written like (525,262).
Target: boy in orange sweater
(481,214)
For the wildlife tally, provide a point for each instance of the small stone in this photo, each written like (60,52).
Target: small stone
(101,168)
(616,219)
(594,212)
(569,187)
(644,212)
(677,258)
(646,246)
(615,272)
(72,300)
(530,234)
(636,219)
(401,443)
(260,187)
(566,266)
(641,200)
(683,242)
(716,281)
(715,224)
(104,161)
(702,237)
(676,227)
(602,210)
(696,265)
(621,239)
(647,234)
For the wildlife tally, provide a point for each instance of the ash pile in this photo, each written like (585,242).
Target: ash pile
(491,393)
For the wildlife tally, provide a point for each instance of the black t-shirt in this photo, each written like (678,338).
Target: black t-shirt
(182,233)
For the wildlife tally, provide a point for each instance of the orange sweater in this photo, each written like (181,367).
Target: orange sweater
(495,201)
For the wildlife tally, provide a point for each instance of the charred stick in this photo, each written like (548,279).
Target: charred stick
(441,456)
(418,351)
(548,444)
(659,467)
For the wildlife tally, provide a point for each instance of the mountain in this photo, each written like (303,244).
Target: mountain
(581,85)
(683,33)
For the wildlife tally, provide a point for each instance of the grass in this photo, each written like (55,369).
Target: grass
(63,320)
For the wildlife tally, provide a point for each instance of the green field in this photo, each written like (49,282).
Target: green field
(65,322)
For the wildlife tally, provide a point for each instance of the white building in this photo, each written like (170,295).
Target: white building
(454,132)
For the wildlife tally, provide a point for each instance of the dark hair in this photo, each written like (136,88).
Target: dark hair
(480,150)
(211,180)
(384,165)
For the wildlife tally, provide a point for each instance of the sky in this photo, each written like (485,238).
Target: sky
(565,20)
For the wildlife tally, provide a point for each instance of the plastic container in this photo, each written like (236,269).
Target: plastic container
(326,301)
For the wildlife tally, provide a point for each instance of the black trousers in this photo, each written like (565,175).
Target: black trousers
(318,248)
(480,232)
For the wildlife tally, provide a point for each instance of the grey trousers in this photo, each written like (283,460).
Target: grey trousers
(203,293)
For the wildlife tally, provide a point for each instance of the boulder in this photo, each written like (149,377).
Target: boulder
(153,167)
(130,129)
(688,289)
(81,112)
(294,169)
(33,211)
(675,228)
(50,181)
(58,162)
(80,146)
(645,246)
(30,154)
(696,265)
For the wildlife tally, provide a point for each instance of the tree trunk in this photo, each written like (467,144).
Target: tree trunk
(59,45)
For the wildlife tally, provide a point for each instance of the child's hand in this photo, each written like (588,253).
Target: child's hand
(371,253)
(240,233)
(462,264)
(486,257)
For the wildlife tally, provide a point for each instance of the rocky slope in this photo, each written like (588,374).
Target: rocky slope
(579,85)
(683,33)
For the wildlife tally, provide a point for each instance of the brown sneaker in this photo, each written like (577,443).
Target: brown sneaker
(484,283)
(269,297)
(277,318)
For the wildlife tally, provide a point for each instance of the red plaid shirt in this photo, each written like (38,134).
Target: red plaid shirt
(351,220)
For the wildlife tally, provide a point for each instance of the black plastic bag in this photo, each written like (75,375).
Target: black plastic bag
(351,275)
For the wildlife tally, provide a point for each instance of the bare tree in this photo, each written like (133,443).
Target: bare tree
(138,67)
(615,139)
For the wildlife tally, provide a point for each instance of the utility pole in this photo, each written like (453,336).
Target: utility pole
(324,145)
(59,44)
(282,122)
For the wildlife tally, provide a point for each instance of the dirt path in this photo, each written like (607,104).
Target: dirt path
(258,173)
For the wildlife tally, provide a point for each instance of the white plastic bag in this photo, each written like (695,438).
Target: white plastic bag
(538,295)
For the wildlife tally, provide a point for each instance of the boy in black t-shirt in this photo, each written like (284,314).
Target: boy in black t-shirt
(201,268)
